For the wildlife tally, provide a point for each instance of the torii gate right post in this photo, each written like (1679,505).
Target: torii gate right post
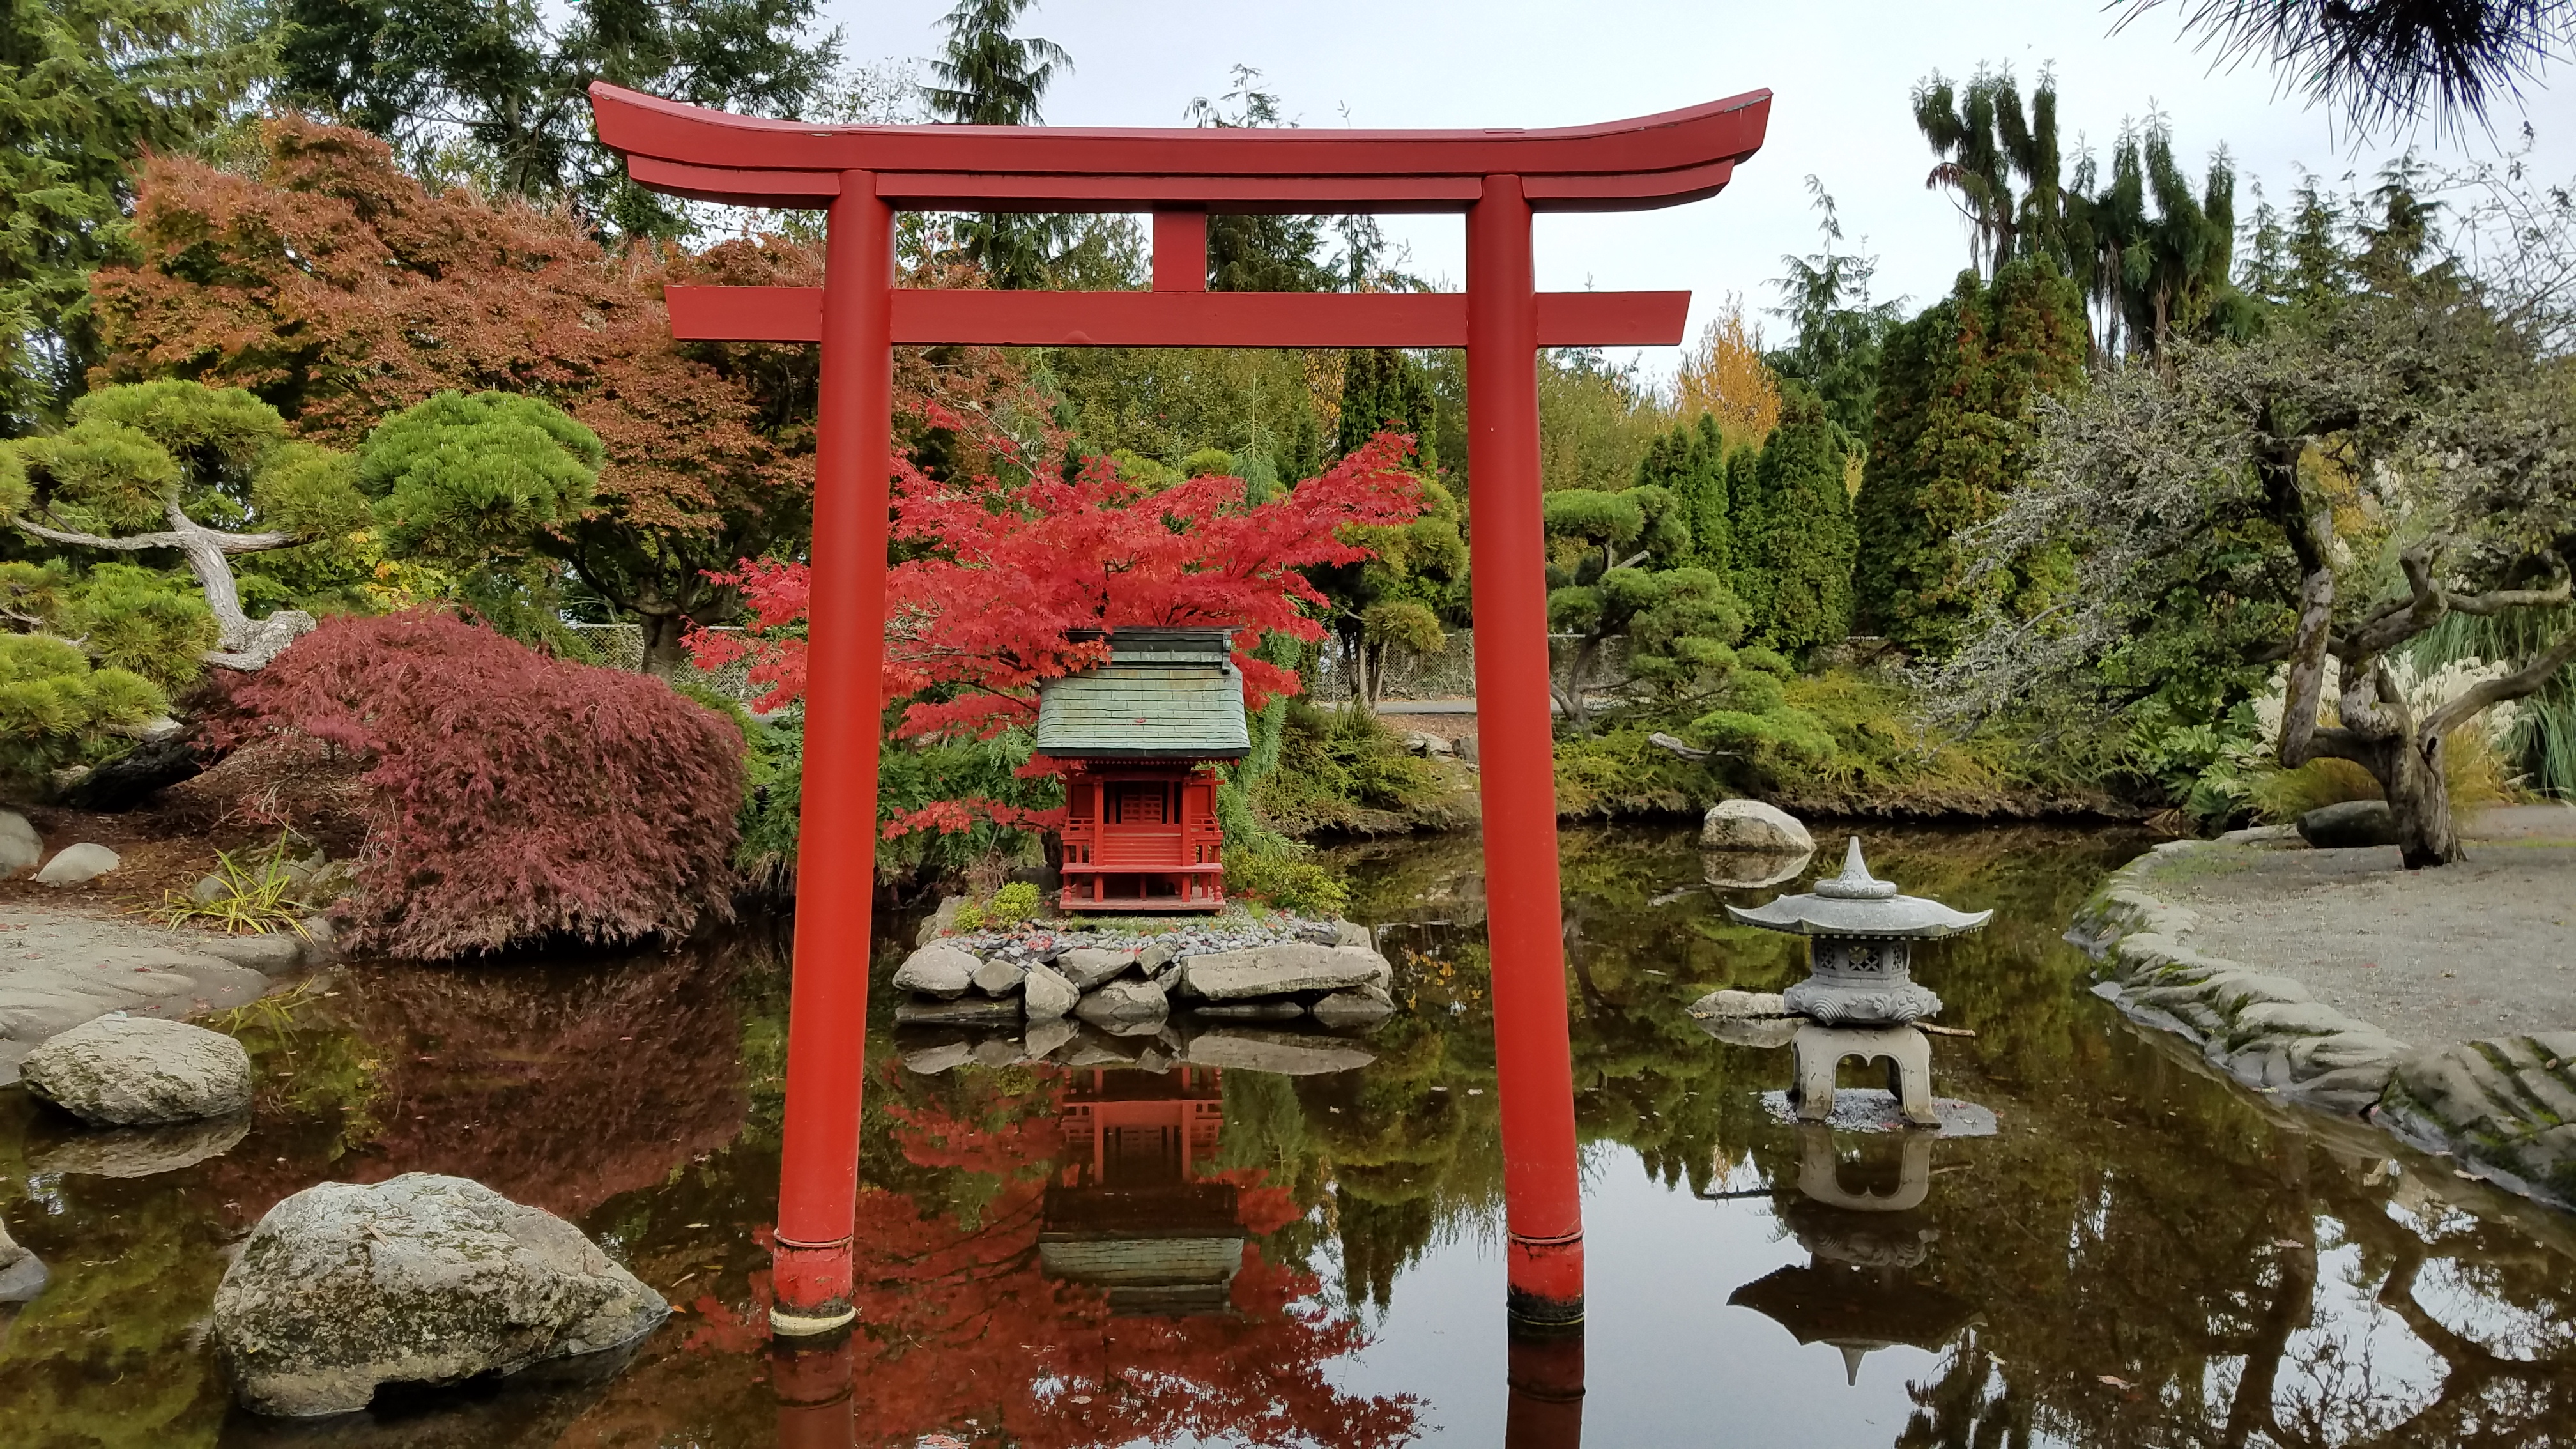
(862,175)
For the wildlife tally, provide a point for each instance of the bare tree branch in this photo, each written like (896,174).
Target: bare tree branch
(2524,681)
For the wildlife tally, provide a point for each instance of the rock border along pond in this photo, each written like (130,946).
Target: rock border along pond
(2507,1104)
(1272,991)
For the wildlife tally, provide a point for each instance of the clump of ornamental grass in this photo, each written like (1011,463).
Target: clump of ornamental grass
(256,894)
(509,797)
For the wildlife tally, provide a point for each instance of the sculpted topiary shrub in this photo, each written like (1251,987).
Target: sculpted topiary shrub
(511,797)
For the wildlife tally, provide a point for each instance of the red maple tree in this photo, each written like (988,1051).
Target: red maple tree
(509,796)
(1003,578)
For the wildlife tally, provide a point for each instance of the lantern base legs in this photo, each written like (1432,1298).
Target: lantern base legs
(1820,1052)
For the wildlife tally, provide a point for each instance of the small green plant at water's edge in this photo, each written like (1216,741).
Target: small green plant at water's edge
(257,895)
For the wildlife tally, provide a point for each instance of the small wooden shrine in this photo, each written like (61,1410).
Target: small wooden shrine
(1138,739)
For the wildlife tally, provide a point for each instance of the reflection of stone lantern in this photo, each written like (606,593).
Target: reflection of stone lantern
(1860,993)
(1855,1291)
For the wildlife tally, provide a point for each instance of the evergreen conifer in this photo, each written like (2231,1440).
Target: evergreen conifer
(1798,568)
(1952,440)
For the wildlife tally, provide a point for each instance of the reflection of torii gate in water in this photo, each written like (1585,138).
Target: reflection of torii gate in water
(862,175)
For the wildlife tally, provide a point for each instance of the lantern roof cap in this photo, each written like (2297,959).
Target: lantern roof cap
(1857,903)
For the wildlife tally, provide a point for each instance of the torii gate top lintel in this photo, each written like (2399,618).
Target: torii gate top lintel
(1641,163)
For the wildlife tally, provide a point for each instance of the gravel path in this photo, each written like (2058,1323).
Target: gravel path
(2480,948)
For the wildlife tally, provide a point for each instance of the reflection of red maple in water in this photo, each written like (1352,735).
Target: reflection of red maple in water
(962,1332)
(558,1086)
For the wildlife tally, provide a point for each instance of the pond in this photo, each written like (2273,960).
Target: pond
(1108,1255)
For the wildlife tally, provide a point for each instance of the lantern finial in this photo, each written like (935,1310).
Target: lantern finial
(1856,883)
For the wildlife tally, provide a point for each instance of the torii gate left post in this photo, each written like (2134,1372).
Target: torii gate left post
(862,175)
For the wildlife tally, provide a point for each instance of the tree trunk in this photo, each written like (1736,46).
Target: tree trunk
(2420,799)
(133,778)
(663,655)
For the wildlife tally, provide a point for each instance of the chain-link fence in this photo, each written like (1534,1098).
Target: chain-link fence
(1450,671)
(621,646)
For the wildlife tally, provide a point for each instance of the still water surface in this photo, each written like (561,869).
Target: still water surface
(1107,1255)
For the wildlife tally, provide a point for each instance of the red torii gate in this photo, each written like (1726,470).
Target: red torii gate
(862,175)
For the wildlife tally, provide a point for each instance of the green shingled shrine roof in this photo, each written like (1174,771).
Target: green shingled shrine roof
(1164,694)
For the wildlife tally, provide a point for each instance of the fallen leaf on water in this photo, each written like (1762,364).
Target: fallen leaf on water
(2116,1382)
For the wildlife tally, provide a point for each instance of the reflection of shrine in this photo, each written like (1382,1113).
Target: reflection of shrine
(1129,1210)
(1860,1223)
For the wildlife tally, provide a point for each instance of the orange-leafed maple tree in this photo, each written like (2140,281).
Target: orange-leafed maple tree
(339,289)
(1723,374)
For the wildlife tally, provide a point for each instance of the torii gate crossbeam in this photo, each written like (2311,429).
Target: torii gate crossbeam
(863,175)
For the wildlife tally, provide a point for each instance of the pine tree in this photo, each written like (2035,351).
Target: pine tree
(1952,440)
(991,77)
(495,94)
(1271,252)
(1838,330)
(85,87)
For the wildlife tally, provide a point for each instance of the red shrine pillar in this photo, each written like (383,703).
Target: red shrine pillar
(836,849)
(1517,763)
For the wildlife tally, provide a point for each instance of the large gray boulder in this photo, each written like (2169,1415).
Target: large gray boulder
(938,969)
(2349,825)
(77,863)
(1000,976)
(1125,1008)
(22,1274)
(1088,966)
(420,1280)
(20,845)
(1752,825)
(138,1071)
(1344,1010)
(1281,970)
(1749,870)
(1046,995)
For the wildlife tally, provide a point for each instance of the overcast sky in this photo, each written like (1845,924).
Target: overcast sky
(1841,75)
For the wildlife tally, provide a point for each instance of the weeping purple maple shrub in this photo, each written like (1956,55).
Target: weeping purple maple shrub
(510,797)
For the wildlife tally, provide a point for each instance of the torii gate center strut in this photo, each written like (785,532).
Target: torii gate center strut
(863,175)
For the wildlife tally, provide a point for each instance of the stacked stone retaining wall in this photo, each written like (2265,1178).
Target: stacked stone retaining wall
(2506,1105)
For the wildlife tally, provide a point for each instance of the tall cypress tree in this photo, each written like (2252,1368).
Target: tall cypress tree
(1691,463)
(1383,388)
(1800,560)
(1952,438)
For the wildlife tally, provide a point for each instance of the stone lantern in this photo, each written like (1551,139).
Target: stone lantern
(1859,940)
(1860,998)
